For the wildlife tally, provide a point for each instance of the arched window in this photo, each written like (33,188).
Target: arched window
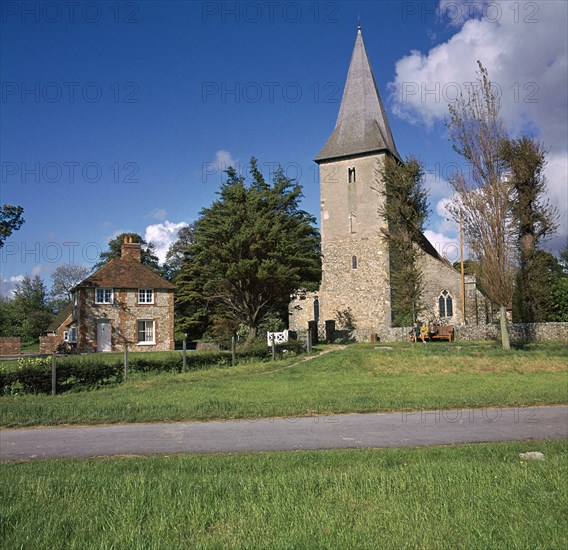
(445,304)
(316,310)
(353,262)
(351,174)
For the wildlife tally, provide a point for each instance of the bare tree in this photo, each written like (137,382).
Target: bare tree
(64,278)
(484,197)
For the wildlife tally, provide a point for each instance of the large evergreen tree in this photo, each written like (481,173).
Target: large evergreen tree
(405,209)
(253,248)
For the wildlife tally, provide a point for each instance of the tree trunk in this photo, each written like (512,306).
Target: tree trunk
(504,331)
(251,336)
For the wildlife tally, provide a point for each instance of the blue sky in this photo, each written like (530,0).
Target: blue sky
(120,116)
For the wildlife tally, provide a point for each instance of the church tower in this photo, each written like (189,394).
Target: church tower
(355,276)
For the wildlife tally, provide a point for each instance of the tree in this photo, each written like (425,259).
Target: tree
(484,198)
(525,160)
(405,209)
(10,220)
(177,250)
(64,278)
(147,257)
(253,249)
(30,308)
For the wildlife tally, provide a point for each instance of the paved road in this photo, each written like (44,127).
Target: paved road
(283,434)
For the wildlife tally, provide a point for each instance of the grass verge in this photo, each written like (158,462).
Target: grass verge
(470,496)
(360,378)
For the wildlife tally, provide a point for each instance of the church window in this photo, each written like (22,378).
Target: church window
(445,304)
(316,310)
(351,174)
(353,262)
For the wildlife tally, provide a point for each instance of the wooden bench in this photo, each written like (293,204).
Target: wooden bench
(444,333)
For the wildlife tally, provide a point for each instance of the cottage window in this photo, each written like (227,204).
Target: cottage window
(353,262)
(73,335)
(145,296)
(445,304)
(103,296)
(146,331)
(66,336)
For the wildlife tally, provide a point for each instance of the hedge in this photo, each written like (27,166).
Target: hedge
(34,375)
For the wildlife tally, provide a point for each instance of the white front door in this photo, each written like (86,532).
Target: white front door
(103,335)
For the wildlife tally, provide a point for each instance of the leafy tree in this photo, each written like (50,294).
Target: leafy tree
(147,257)
(253,248)
(477,132)
(176,252)
(64,278)
(31,312)
(405,209)
(525,159)
(10,220)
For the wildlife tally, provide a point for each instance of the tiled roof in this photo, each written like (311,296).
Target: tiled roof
(362,125)
(60,318)
(125,273)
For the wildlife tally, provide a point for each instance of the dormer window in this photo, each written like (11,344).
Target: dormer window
(351,174)
(145,295)
(104,296)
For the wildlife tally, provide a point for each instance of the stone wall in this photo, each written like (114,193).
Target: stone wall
(9,345)
(526,332)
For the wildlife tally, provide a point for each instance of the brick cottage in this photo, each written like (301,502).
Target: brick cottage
(123,302)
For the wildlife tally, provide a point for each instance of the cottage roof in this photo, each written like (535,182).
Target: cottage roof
(125,273)
(60,318)
(362,126)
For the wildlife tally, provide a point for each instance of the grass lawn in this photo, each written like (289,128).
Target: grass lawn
(359,378)
(470,496)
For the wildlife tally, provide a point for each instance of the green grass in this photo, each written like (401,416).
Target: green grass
(359,378)
(470,496)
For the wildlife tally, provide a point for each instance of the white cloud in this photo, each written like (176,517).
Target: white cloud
(162,235)
(9,285)
(447,246)
(526,54)
(224,159)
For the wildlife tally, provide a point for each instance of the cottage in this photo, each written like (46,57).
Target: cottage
(123,302)
(57,332)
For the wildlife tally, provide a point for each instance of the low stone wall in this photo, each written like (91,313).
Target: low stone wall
(518,332)
(10,345)
(48,343)
(524,332)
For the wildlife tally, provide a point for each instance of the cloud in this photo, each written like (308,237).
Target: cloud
(526,54)
(526,58)
(9,285)
(224,159)
(162,235)
(447,246)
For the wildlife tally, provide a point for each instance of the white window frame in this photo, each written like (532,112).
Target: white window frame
(104,290)
(145,330)
(143,292)
(66,336)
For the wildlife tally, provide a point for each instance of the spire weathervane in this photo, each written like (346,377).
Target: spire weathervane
(358,22)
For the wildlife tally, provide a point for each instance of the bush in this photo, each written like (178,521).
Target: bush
(34,375)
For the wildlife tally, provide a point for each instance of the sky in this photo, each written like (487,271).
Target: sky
(121,116)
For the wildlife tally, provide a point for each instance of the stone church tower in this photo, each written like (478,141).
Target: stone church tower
(356,276)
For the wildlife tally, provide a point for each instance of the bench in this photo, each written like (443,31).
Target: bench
(444,333)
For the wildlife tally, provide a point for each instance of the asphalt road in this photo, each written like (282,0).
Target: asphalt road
(401,429)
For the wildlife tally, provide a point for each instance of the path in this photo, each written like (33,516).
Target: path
(283,434)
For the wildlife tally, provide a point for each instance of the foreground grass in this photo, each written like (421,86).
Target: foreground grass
(471,496)
(359,378)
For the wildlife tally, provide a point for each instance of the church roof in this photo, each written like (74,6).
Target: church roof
(362,125)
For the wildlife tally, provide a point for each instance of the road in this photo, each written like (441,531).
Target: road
(376,430)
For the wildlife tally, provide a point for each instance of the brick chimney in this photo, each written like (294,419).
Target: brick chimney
(130,250)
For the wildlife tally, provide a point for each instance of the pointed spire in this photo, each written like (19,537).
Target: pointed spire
(362,125)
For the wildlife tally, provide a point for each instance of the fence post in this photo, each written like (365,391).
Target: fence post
(309,342)
(125,362)
(273,344)
(233,351)
(54,373)
(184,353)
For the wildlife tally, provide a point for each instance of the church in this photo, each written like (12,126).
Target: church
(355,291)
